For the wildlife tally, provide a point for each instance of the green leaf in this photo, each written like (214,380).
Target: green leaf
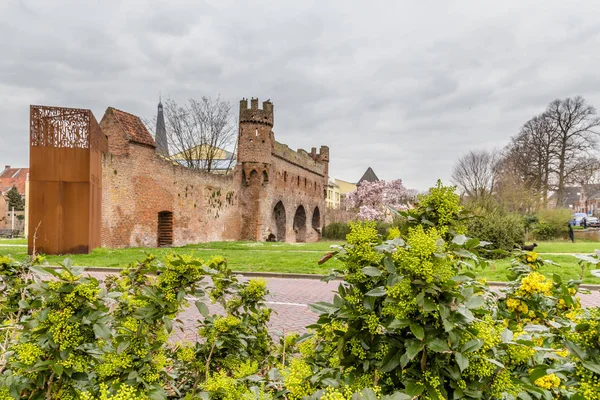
(323,307)
(389,265)
(418,331)
(58,369)
(202,308)
(377,292)
(537,373)
(459,240)
(371,271)
(462,361)
(398,324)
(472,345)
(507,336)
(123,346)
(414,388)
(438,345)
(556,278)
(391,363)
(397,396)
(428,304)
(475,302)
(591,366)
(101,331)
(582,327)
(414,349)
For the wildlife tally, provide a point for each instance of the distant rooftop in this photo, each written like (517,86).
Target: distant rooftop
(10,177)
(368,176)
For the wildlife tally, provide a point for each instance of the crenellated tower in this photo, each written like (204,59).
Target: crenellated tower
(255,147)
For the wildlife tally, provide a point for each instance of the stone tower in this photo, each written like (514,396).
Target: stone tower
(255,147)
(162,145)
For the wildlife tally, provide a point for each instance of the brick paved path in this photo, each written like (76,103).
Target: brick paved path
(289,299)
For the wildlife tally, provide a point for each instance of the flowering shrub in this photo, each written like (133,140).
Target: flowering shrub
(410,320)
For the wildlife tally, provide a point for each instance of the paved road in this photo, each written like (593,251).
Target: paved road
(289,299)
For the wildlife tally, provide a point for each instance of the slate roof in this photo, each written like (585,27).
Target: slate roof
(134,127)
(368,176)
(13,177)
(572,194)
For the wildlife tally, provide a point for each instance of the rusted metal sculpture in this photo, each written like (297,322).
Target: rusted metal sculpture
(65,178)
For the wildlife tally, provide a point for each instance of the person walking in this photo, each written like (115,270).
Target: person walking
(571,233)
(584,223)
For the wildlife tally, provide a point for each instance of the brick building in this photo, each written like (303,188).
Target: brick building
(149,201)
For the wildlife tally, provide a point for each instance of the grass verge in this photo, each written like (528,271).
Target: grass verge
(302,258)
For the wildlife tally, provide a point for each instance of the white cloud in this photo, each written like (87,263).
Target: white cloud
(399,86)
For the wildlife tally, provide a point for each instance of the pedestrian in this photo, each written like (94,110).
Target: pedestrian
(571,233)
(584,222)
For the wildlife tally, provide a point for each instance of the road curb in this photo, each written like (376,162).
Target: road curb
(315,277)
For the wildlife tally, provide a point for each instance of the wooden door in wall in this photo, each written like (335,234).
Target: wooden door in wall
(165,228)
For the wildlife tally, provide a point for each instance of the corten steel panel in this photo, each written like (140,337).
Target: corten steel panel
(65,180)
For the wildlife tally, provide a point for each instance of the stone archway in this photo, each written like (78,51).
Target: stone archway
(278,222)
(316,221)
(300,224)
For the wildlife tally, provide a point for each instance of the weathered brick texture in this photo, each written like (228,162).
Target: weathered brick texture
(271,190)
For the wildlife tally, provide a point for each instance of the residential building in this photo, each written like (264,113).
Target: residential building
(205,155)
(332,200)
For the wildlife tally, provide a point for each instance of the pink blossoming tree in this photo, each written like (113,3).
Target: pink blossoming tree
(372,199)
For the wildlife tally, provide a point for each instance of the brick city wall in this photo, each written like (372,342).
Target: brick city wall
(139,186)
(273,189)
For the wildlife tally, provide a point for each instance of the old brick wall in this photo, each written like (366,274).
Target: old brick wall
(139,186)
(273,189)
(297,189)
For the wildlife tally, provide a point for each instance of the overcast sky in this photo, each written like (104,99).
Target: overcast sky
(402,87)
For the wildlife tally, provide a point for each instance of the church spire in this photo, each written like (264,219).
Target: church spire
(162,146)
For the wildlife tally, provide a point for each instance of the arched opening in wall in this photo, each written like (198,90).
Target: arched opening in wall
(253,177)
(300,224)
(278,222)
(265,177)
(165,228)
(316,221)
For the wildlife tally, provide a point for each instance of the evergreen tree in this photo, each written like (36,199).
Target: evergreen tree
(15,200)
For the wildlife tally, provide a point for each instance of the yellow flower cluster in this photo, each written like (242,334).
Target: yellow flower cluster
(28,353)
(589,383)
(65,333)
(418,259)
(535,283)
(297,379)
(224,324)
(186,353)
(548,381)
(393,233)
(373,324)
(517,305)
(112,363)
(125,392)
(255,290)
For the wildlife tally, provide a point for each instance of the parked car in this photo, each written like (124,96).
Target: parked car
(577,217)
(593,222)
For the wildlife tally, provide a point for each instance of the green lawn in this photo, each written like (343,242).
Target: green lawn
(567,247)
(568,268)
(241,256)
(13,241)
(302,257)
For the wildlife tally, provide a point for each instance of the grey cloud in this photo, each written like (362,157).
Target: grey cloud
(402,87)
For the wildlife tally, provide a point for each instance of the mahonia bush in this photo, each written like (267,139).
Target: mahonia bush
(409,320)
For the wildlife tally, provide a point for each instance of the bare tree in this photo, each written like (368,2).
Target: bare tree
(200,133)
(531,156)
(577,129)
(474,173)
